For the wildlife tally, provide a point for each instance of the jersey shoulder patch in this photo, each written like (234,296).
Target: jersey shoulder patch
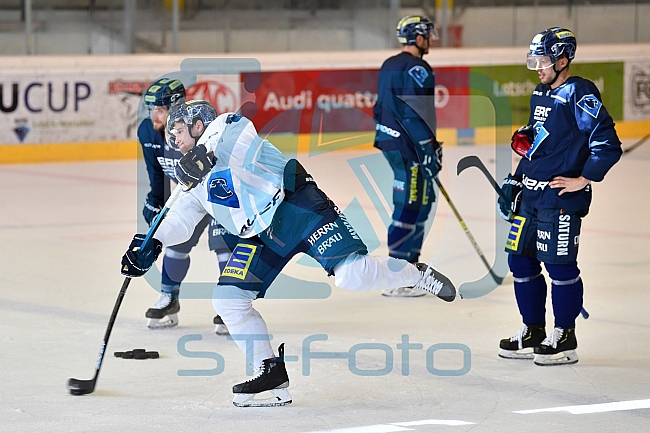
(590,104)
(221,189)
(419,74)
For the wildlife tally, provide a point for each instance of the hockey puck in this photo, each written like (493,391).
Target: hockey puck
(137,354)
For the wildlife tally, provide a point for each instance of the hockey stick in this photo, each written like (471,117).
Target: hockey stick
(79,386)
(477,248)
(637,144)
(475,161)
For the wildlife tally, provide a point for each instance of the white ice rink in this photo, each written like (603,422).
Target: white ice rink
(64,227)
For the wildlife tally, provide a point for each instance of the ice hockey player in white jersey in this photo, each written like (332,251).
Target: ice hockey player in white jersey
(278,211)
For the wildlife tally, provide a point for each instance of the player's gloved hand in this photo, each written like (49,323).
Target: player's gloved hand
(194,166)
(136,262)
(522,140)
(431,158)
(150,210)
(512,188)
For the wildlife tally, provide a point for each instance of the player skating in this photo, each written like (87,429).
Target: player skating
(278,211)
(569,142)
(160,161)
(405,117)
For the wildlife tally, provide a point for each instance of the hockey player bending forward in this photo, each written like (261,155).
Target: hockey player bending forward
(569,142)
(160,160)
(278,211)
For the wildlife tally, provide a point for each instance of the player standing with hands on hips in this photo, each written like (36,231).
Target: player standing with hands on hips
(569,142)
(160,160)
(405,117)
(278,211)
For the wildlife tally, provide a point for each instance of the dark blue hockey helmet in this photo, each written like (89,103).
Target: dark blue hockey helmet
(188,113)
(165,92)
(553,42)
(409,27)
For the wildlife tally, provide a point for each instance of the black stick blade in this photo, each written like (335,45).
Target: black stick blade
(81,387)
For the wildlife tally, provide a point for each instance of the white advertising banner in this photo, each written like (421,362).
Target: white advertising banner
(93,106)
(637,91)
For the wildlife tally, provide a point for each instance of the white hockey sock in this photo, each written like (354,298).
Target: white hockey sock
(364,272)
(235,306)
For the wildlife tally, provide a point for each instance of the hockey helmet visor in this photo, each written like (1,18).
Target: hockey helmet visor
(536,63)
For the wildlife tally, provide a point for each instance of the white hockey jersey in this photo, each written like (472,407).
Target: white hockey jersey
(243,189)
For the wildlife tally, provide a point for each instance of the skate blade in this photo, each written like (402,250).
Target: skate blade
(404,292)
(563,358)
(221,330)
(281,397)
(516,354)
(166,322)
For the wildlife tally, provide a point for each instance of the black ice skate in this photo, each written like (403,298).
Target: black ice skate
(166,306)
(435,283)
(271,377)
(521,345)
(220,328)
(558,348)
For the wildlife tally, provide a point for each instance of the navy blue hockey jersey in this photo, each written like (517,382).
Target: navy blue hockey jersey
(160,160)
(405,109)
(574,136)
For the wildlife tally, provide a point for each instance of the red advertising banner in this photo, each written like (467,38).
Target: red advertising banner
(341,100)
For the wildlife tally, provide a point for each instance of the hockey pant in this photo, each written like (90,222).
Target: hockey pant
(530,290)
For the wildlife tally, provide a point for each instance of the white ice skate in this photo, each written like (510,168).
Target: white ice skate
(164,313)
(272,377)
(558,348)
(434,282)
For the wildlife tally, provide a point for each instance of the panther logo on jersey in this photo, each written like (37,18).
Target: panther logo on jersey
(419,74)
(590,105)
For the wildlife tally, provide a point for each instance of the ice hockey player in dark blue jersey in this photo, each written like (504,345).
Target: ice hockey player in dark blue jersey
(161,160)
(569,142)
(405,118)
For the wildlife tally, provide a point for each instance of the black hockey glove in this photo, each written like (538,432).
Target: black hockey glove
(522,140)
(194,166)
(150,211)
(431,159)
(511,188)
(136,262)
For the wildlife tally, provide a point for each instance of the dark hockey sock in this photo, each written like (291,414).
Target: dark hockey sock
(566,293)
(530,289)
(174,270)
(405,235)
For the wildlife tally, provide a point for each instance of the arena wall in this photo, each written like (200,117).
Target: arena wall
(87,107)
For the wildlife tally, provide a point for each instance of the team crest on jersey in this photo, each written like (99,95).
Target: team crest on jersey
(590,104)
(419,74)
(221,190)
